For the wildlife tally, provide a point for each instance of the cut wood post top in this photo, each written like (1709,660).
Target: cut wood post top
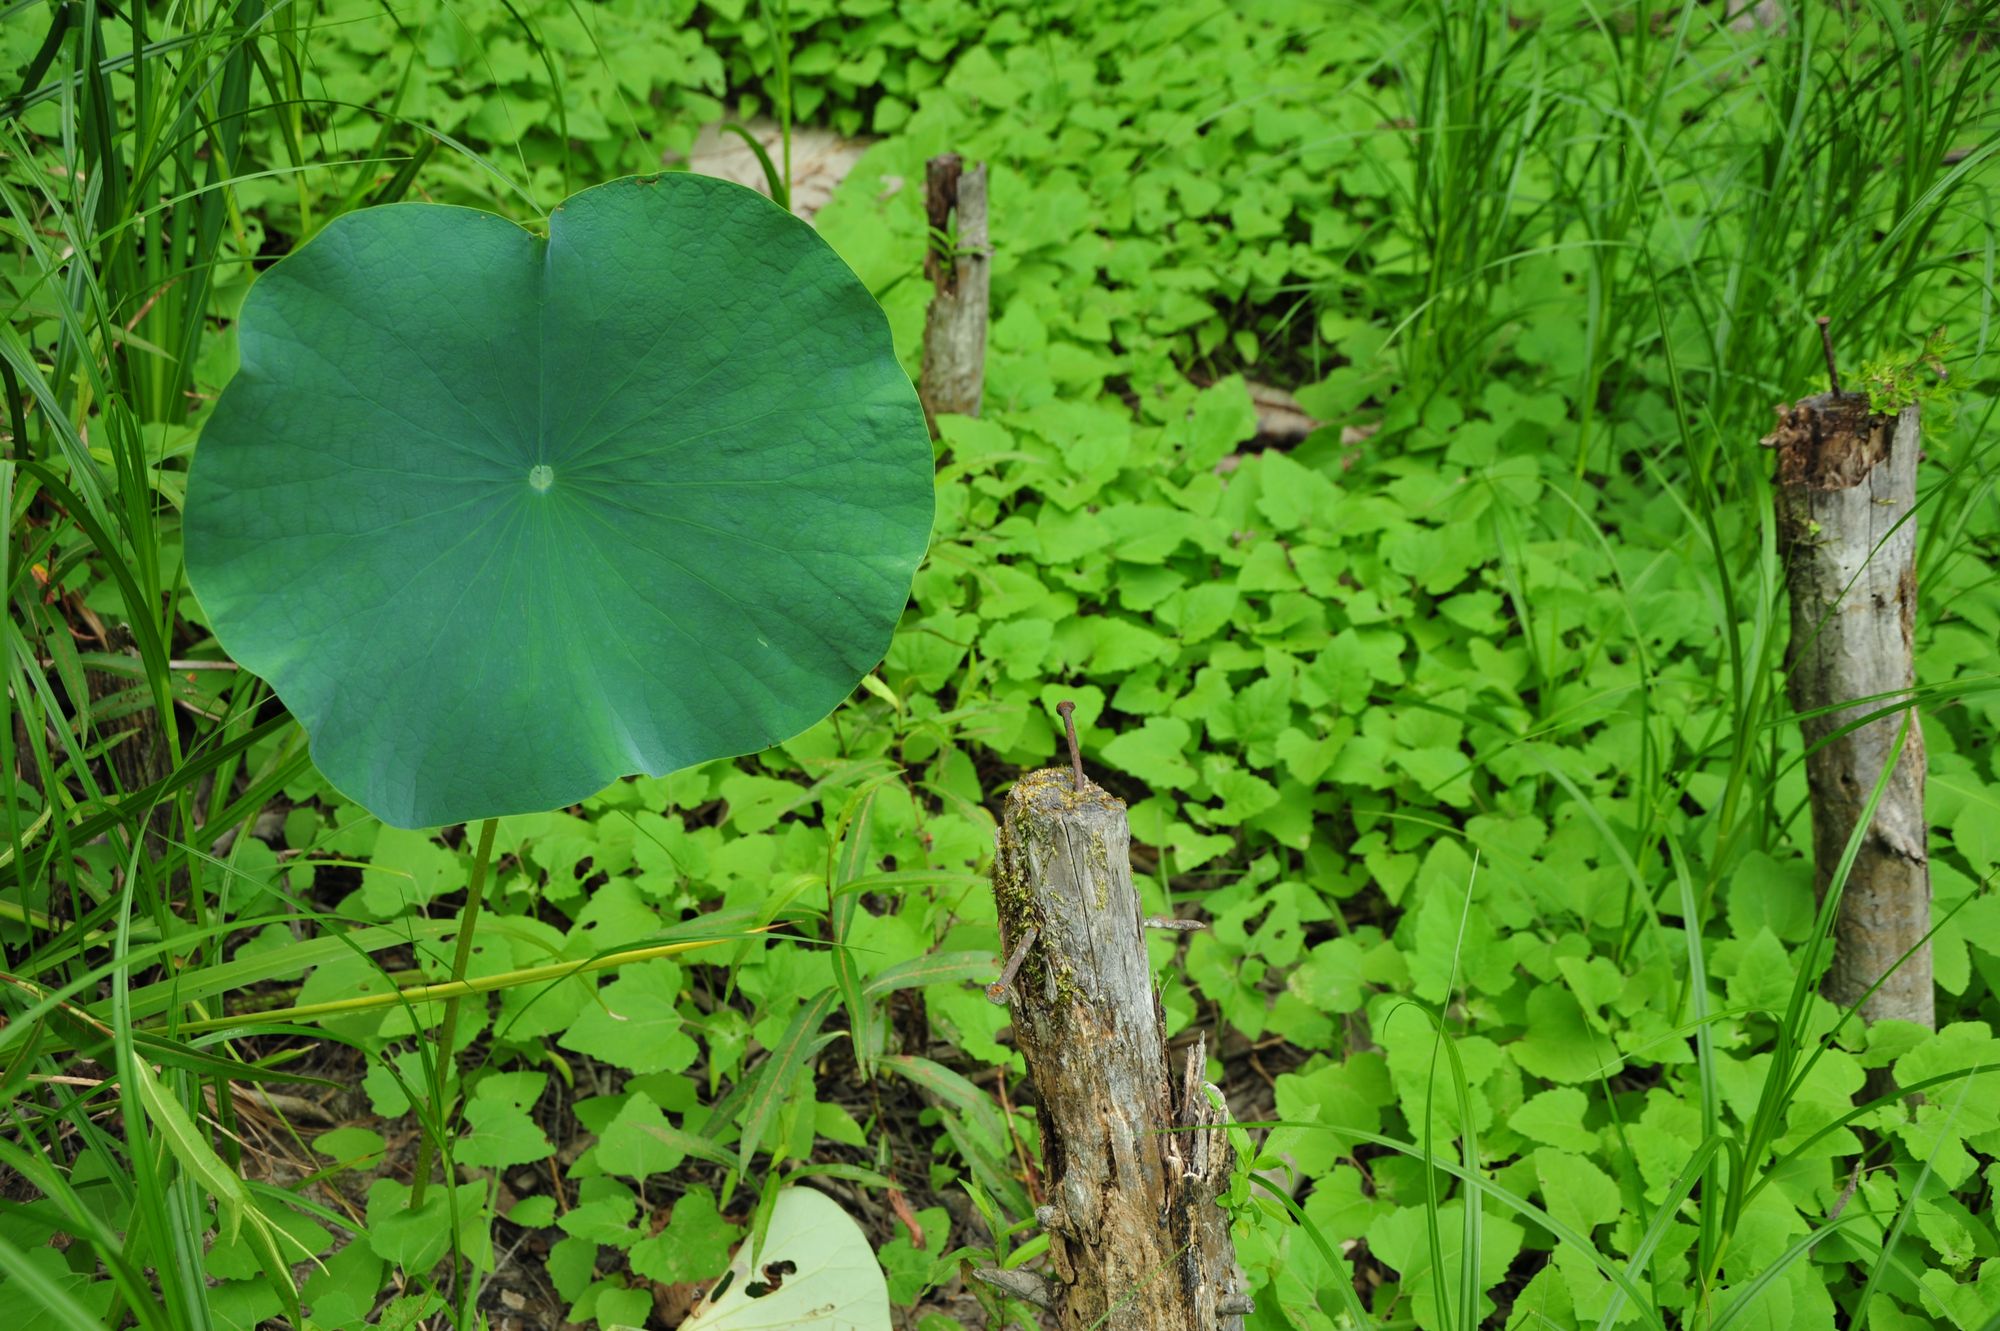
(1065,870)
(1831,441)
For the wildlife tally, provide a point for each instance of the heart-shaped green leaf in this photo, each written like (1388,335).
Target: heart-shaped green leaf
(503,517)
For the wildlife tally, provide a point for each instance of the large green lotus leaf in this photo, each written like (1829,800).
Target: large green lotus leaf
(503,518)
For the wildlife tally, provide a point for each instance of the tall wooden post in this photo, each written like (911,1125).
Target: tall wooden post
(957,260)
(1137,1238)
(1847,482)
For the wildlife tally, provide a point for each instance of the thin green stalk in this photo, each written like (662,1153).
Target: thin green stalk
(461,957)
(455,989)
(779,20)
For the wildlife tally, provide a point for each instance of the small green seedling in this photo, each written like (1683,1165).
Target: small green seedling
(1893,383)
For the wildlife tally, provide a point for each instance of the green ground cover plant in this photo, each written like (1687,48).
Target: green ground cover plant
(1461,721)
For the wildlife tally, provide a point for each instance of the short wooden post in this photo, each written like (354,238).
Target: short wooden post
(1137,1239)
(1847,489)
(954,373)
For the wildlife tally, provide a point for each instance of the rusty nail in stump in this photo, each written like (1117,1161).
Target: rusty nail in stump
(1067,711)
(1826,344)
(1002,989)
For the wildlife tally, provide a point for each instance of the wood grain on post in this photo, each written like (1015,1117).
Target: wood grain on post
(1137,1239)
(1847,488)
(954,373)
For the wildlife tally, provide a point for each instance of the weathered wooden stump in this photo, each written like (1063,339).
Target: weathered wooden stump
(1847,489)
(954,373)
(1137,1239)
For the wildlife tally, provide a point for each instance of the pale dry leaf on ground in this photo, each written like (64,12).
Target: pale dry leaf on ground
(821,159)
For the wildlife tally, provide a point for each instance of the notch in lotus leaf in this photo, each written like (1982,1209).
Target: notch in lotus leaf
(503,517)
